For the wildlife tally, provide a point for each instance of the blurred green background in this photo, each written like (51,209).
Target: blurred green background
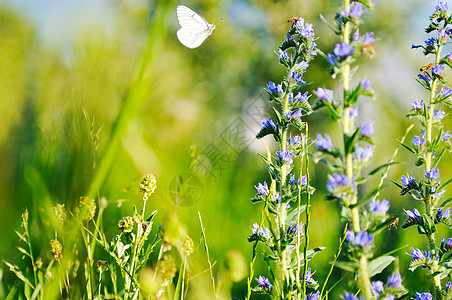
(58,58)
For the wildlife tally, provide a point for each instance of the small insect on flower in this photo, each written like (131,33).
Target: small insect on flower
(393,223)
(426,68)
(293,21)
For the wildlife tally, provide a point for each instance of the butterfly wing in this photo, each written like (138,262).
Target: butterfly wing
(195,29)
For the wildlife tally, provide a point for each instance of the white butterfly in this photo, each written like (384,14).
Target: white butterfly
(195,29)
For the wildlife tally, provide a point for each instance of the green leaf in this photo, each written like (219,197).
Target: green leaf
(333,113)
(447,201)
(444,184)
(347,266)
(406,147)
(377,265)
(365,199)
(438,157)
(377,169)
(351,141)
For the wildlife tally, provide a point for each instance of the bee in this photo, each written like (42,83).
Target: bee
(393,224)
(426,68)
(293,21)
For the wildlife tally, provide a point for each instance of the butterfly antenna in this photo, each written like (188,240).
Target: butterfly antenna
(218,21)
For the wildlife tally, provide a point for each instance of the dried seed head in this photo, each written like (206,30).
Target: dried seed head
(126,224)
(87,208)
(148,186)
(60,212)
(56,249)
(188,247)
(166,268)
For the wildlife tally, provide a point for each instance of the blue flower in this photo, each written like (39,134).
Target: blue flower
(268,124)
(438,114)
(305,30)
(315,296)
(407,180)
(413,215)
(297,77)
(285,156)
(325,95)
(324,144)
(395,280)
(350,296)
(332,59)
(367,38)
(274,88)
(448,285)
(446,92)
(293,228)
(263,282)
(417,105)
(301,98)
(304,180)
(365,84)
(417,140)
(413,46)
(377,287)
(443,34)
(296,140)
(356,9)
(443,214)
(430,41)
(353,112)
(335,180)
(424,77)
(438,70)
(446,136)
(262,189)
(361,238)
(308,277)
(283,55)
(260,231)
(441,6)
(423,296)
(364,154)
(379,207)
(367,130)
(296,114)
(432,174)
(301,66)
(448,56)
(343,50)
(417,254)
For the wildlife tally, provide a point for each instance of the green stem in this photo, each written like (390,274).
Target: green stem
(428,166)
(308,215)
(364,279)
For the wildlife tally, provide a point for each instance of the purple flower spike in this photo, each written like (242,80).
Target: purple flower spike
(441,6)
(343,50)
(350,296)
(379,207)
(417,105)
(324,144)
(262,189)
(325,95)
(407,180)
(423,296)
(443,214)
(367,130)
(263,282)
(432,174)
(438,70)
(395,280)
(336,180)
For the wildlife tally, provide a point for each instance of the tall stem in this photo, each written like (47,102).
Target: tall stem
(428,166)
(282,215)
(364,280)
